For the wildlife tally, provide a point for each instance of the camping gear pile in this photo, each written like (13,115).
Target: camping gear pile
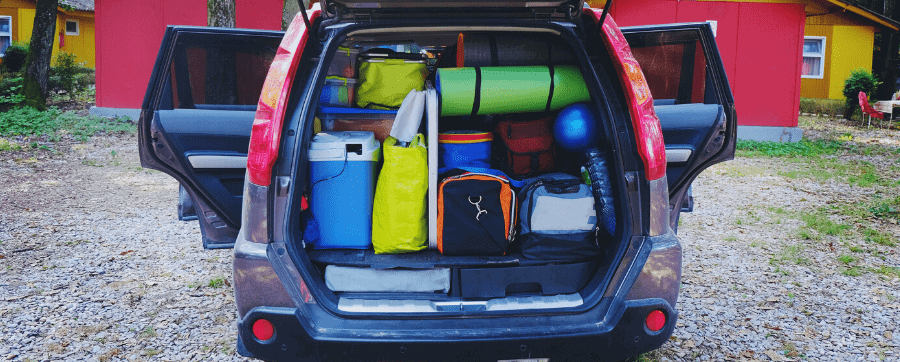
(466,155)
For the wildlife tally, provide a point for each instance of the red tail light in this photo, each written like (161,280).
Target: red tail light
(263,330)
(656,320)
(647,130)
(266,135)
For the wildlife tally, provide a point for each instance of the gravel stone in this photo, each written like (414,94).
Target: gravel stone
(96,266)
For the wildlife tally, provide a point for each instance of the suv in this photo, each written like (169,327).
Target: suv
(231,114)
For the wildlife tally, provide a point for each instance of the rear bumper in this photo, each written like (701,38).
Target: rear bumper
(486,339)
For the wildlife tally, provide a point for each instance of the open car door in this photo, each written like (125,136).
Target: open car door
(692,99)
(197,115)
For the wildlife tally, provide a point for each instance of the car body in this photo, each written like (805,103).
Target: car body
(217,93)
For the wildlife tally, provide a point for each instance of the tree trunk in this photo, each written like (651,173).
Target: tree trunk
(220,13)
(221,77)
(37,65)
(886,60)
(885,65)
(289,11)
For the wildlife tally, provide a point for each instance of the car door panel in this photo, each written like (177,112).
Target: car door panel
(692,99)
(680,124)
(197,116)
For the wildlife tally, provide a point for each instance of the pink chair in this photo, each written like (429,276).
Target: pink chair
(867,109)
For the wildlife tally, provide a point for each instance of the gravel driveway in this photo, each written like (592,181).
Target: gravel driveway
(94,265)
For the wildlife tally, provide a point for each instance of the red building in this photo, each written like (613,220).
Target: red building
(761,43)
(128,35)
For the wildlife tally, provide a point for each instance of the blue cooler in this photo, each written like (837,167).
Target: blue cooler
(342,175)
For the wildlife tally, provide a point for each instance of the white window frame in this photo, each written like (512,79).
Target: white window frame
(77,27)
(8,35)
(821,56)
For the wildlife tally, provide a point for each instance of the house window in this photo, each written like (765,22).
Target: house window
(5,33)
(72,27)
(813,57)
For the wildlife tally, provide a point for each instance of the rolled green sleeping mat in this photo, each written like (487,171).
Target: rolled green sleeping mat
(503,90)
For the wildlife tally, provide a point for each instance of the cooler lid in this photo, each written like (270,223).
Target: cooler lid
(335,146)
(360,10)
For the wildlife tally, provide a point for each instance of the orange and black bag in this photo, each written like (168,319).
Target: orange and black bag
(476,215)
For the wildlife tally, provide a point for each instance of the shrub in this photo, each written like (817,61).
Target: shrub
(825,107)
(14,58)
(84,79)
(860,80)
(11,92)
(64,73)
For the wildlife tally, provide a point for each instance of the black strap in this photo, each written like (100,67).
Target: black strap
(495,59)
(550,93)
(535,162)
(476,103)
(549,54)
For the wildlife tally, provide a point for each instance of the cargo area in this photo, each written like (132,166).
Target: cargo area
(492,153)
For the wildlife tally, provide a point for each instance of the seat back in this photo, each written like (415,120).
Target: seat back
(867,108)
(863,102)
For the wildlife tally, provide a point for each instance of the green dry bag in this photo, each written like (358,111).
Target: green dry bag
(399,222)
(383,83)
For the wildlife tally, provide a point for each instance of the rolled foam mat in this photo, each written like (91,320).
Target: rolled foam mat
(503,90)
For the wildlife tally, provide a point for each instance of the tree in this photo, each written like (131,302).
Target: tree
(885,61)
(221,77)
(220,13)
(37,65)
(290,10)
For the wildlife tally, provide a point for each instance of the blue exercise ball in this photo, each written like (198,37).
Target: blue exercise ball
(575,128)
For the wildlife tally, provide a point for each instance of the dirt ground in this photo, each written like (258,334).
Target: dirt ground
(95,266)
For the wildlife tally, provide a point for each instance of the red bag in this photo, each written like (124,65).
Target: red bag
(528,144)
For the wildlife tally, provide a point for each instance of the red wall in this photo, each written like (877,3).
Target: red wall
(128,35)
(760,45)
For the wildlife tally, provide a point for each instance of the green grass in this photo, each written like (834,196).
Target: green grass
(878,237)
(854,172)
(826,159)
(854,271)
(217,283)
(746,148)
(148,332)
(790,253)
(26,121)
(846,259)
(886,209)
(889,271)
(822,225)
(5,145)
(653,356)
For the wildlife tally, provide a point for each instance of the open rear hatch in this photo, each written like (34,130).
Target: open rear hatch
(349,276)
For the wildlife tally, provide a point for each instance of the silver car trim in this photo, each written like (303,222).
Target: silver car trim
(426,306)
(659,206)
(678,155)
(216,161)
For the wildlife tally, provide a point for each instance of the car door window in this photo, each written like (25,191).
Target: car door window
(209,74)
(674,65)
